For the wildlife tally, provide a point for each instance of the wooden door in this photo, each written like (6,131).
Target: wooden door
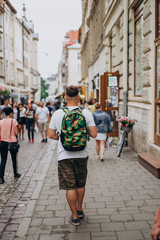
(110,98)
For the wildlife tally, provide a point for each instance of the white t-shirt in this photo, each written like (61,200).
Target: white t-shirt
(22,113)
(42,114)
(56,122)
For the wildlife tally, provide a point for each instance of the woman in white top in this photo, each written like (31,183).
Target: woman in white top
(15,110)
(22,120)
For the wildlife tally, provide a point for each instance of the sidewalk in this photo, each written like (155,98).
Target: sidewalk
(120,201)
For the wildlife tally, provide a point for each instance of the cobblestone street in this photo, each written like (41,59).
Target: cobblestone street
(120,202)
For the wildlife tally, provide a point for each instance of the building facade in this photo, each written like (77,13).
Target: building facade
(53,86)
(121,49)
(69,69)
(18,55)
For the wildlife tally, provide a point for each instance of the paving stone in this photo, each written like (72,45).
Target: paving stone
(98,219)
(121,218)
(53,221)
(89,228)
(112,227)
(130,235)
(23,227)
(143,216)
(139,225)
(95,205)
(43,229)
(36,222)
(55,207)
(63,229)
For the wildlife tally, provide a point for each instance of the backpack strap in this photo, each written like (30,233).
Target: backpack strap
(65,109)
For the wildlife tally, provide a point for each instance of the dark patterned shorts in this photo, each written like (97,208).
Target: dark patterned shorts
(72,173)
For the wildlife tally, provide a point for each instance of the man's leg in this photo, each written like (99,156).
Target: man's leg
(42,135)
(72,199)
(46,134)
(80,196)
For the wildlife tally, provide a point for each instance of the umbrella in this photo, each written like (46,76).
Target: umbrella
(13,95)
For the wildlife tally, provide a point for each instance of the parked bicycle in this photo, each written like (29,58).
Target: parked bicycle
(127,124)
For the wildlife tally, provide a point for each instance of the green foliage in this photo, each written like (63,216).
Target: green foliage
(5,93)
(44,88)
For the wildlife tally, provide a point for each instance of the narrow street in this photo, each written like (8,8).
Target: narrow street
(120,202)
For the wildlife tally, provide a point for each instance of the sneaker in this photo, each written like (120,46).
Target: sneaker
(32,140)
(17,175)
(43,140)
(102,158)
(75,222)
(29,140)
(2,180)
(80,214)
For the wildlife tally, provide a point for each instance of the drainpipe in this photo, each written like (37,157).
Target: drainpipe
(125,58)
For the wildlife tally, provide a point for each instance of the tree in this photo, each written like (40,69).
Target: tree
(44,88)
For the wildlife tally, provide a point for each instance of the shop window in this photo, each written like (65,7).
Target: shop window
(138,49)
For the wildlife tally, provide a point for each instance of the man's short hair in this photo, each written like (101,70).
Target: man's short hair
(8,110)
(72,91)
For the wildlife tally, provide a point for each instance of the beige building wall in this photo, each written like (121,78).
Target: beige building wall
(112,57)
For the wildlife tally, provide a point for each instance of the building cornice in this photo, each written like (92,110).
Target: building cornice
(11,6)
(2,9)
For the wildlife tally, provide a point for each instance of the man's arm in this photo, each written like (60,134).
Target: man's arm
(52,134)
(155,233)
(92,131)
(48,117)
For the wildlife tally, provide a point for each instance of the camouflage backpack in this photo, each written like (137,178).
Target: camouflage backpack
(73,130)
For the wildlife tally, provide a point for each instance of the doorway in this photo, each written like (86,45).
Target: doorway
(110,98)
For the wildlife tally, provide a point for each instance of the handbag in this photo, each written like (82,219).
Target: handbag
(13,146)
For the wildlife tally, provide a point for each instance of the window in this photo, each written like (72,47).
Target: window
(78,55)
(158,19)
(138,49)
(157,74)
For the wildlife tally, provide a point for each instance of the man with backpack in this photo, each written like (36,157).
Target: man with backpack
(70,126)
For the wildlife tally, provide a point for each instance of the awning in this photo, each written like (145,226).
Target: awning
(2,88)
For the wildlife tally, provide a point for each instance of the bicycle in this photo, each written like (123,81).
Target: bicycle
(123,134)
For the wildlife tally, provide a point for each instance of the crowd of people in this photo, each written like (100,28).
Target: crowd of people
(71,126)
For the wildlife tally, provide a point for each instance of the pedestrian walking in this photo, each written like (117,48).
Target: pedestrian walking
(15,111)
(8,134)
(103,125)
(22,119)
(2,111)
(72,123)
(91,106)
(155,233)
(42,116)
(30,122)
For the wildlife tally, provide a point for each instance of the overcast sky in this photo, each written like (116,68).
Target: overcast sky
(52,19)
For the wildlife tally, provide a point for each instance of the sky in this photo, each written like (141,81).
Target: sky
(52,19)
